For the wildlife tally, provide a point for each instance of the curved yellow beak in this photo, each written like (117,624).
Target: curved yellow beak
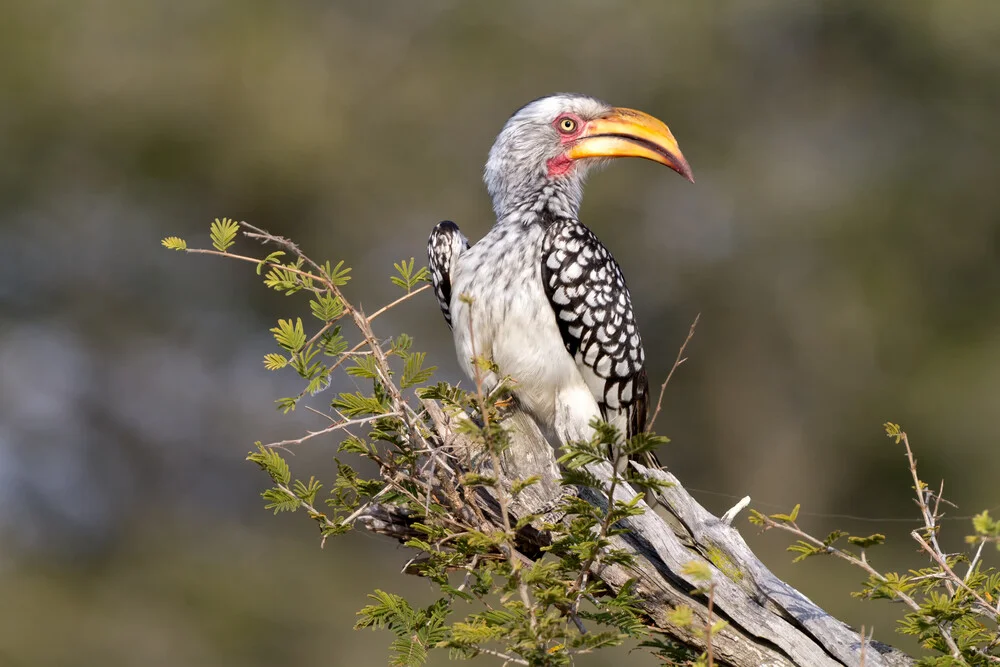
(630,133)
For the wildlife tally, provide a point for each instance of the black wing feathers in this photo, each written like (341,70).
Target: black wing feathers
(444,246)
(593,308)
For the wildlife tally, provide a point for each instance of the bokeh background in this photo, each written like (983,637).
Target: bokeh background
(841,245)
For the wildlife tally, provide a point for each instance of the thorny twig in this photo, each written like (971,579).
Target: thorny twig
(581,580)
(330,429)
(316,274)
(507,659)
(793,528)
(950,575)
(930,517)
(677,362)
(931,545)
(362,322)
(926,538)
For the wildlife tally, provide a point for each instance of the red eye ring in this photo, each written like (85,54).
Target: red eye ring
(567,124)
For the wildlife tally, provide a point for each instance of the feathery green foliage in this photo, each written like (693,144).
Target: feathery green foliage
(544,608)
(174,243)
(954,617)
(223,233)
(523,610)
(407,277)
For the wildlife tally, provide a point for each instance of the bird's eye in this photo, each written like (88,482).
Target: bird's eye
(567,125)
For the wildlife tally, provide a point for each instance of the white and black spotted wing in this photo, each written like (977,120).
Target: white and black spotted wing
(594,310)
(444,246)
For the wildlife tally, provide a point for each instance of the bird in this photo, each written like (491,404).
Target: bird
(540,297)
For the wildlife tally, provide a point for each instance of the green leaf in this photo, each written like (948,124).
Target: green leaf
(471,479)
(338,275)
(318,383)
(401,344)
(357,405)
(866,542)
(389,611)
(302,360)
(365,366)
(697,570)
(223,233)
(681,616)
(805,550)
(580,477)
(407,278)
(642,443)
(521,484)
(477,632)
(332,343)
(354,445)
(413,371)
(579,454)
(306,491)
(986,525)
(274,361)
(174,243)
(444,392)
(286,278)
(415,630)
(271,462)
(280,500)
(326,307)
(287,404)
(290,335)
(833,537)
(787,518)
(270,259)
(893,431)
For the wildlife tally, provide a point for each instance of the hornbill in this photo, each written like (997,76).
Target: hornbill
(540,296)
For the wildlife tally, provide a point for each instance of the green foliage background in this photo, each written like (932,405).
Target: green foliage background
(841,244)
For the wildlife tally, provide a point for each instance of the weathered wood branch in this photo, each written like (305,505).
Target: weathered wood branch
(769,622)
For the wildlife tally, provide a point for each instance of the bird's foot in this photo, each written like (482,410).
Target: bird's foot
(504,406)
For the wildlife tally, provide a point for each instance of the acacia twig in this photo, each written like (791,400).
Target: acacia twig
(677,362)
(331,428)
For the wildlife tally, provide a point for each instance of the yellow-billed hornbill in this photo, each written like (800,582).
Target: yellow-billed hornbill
(540,295)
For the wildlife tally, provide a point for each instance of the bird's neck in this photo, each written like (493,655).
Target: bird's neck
(554,199)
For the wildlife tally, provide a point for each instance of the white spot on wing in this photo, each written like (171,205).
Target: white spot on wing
(572,272)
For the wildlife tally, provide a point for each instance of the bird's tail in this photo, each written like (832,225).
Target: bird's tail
(444,246)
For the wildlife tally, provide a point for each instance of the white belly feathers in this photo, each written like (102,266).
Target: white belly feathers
(513,324)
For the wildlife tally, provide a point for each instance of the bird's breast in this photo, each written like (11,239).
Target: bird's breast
(501,312)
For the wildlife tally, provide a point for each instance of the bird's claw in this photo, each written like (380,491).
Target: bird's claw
(504,404)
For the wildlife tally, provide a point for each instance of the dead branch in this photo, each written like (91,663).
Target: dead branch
(769,622)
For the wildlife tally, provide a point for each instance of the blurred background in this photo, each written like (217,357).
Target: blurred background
(841,245)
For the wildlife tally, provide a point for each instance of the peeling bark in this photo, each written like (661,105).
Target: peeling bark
(769,622)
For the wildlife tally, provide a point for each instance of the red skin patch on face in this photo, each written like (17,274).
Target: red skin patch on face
(559,166)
